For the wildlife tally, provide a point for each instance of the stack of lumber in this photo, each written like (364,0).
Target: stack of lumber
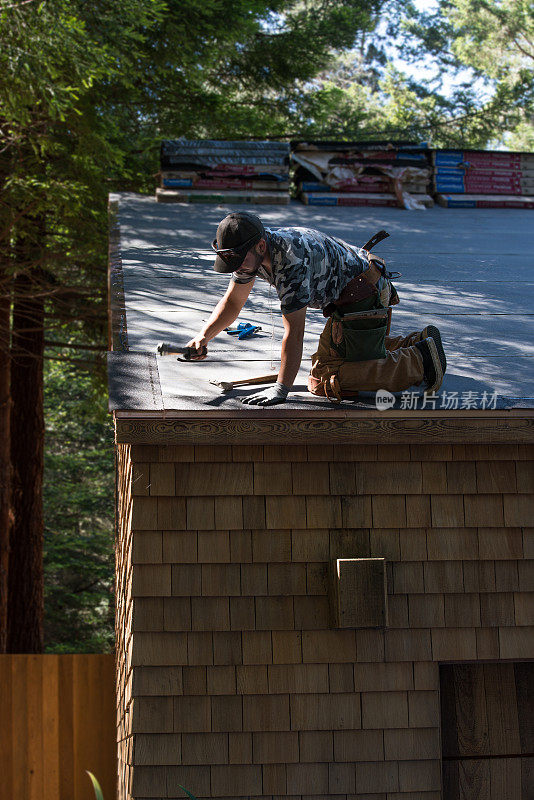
(483,179)
(362,174)
(211,171)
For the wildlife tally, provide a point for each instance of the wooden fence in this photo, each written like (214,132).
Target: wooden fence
(57,720)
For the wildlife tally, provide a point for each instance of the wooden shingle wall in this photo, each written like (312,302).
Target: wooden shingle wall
(231,681)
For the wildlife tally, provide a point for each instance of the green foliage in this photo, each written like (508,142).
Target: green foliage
(79,507)
(87,91)
(192,796)
(488,45)
(96,786)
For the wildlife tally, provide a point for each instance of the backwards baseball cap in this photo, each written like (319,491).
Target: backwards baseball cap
(236,234)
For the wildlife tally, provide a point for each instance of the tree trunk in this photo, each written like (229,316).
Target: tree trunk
(5,443)
(25,582)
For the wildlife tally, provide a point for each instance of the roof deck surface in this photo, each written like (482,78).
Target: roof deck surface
(468,271)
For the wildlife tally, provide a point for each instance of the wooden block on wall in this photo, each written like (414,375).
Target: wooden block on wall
(252,679)
(141,479)
(434,477)
(275,748)
(357,746)
(266,712)
(424,709)
(227,648)
(419,776)
(389,511)
(351,543)
(287,647)
(247,452)
(236,780)
(323,512)
(462,610)
(329,646)
(239,748)
(312,545)
(228,513)
(375,777)
(316,712)
(461,477)
(180,547)
(156,749)
(254,512)
(500,543)
(272,478)
(518,509)
(198,778)
(204,748)
(420,743)
(300,678)
(311,478)
(516,642)
(342,478)
(171,513)
(358,592)
(272,545)
(221,580)
(497,609)
(214,546)
(147,547)
(164,681)
(200,513)
(162,480)
(285,512)
(213,452)
(487,643)
(446,544)
(384,710)
(145,514)
(226,713)
(341,677)
(496,476)
(357,512)
(454,644)
(447,510)
(408,645)
(483,510)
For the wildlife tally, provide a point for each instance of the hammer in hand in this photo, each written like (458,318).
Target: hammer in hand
(187,353)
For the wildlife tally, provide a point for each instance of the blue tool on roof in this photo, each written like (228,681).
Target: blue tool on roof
(243,330)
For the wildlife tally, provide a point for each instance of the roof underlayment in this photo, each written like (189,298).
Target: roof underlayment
(468,271)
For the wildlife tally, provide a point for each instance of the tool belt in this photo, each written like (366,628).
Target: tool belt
(365,285)
(356,330)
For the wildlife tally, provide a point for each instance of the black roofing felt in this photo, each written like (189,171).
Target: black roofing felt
(468,271)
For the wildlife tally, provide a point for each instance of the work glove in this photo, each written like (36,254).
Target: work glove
(272,396)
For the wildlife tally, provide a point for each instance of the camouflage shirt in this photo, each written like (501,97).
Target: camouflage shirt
(309,268)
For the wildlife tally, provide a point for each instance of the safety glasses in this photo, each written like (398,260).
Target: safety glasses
(231,253)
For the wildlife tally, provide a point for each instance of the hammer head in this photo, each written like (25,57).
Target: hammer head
(224,385)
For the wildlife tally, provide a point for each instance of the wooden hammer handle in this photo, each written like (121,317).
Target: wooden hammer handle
(252,381)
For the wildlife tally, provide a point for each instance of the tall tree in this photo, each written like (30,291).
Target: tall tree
(488,47)
(87,91)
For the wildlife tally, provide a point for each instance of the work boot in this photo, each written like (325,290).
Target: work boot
(434,361)
(433,332)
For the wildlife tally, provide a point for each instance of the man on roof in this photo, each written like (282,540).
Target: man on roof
(312,269)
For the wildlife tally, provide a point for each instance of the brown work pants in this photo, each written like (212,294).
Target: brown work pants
(401,368)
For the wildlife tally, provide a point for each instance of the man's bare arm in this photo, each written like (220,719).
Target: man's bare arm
(291,356)
(225,312)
